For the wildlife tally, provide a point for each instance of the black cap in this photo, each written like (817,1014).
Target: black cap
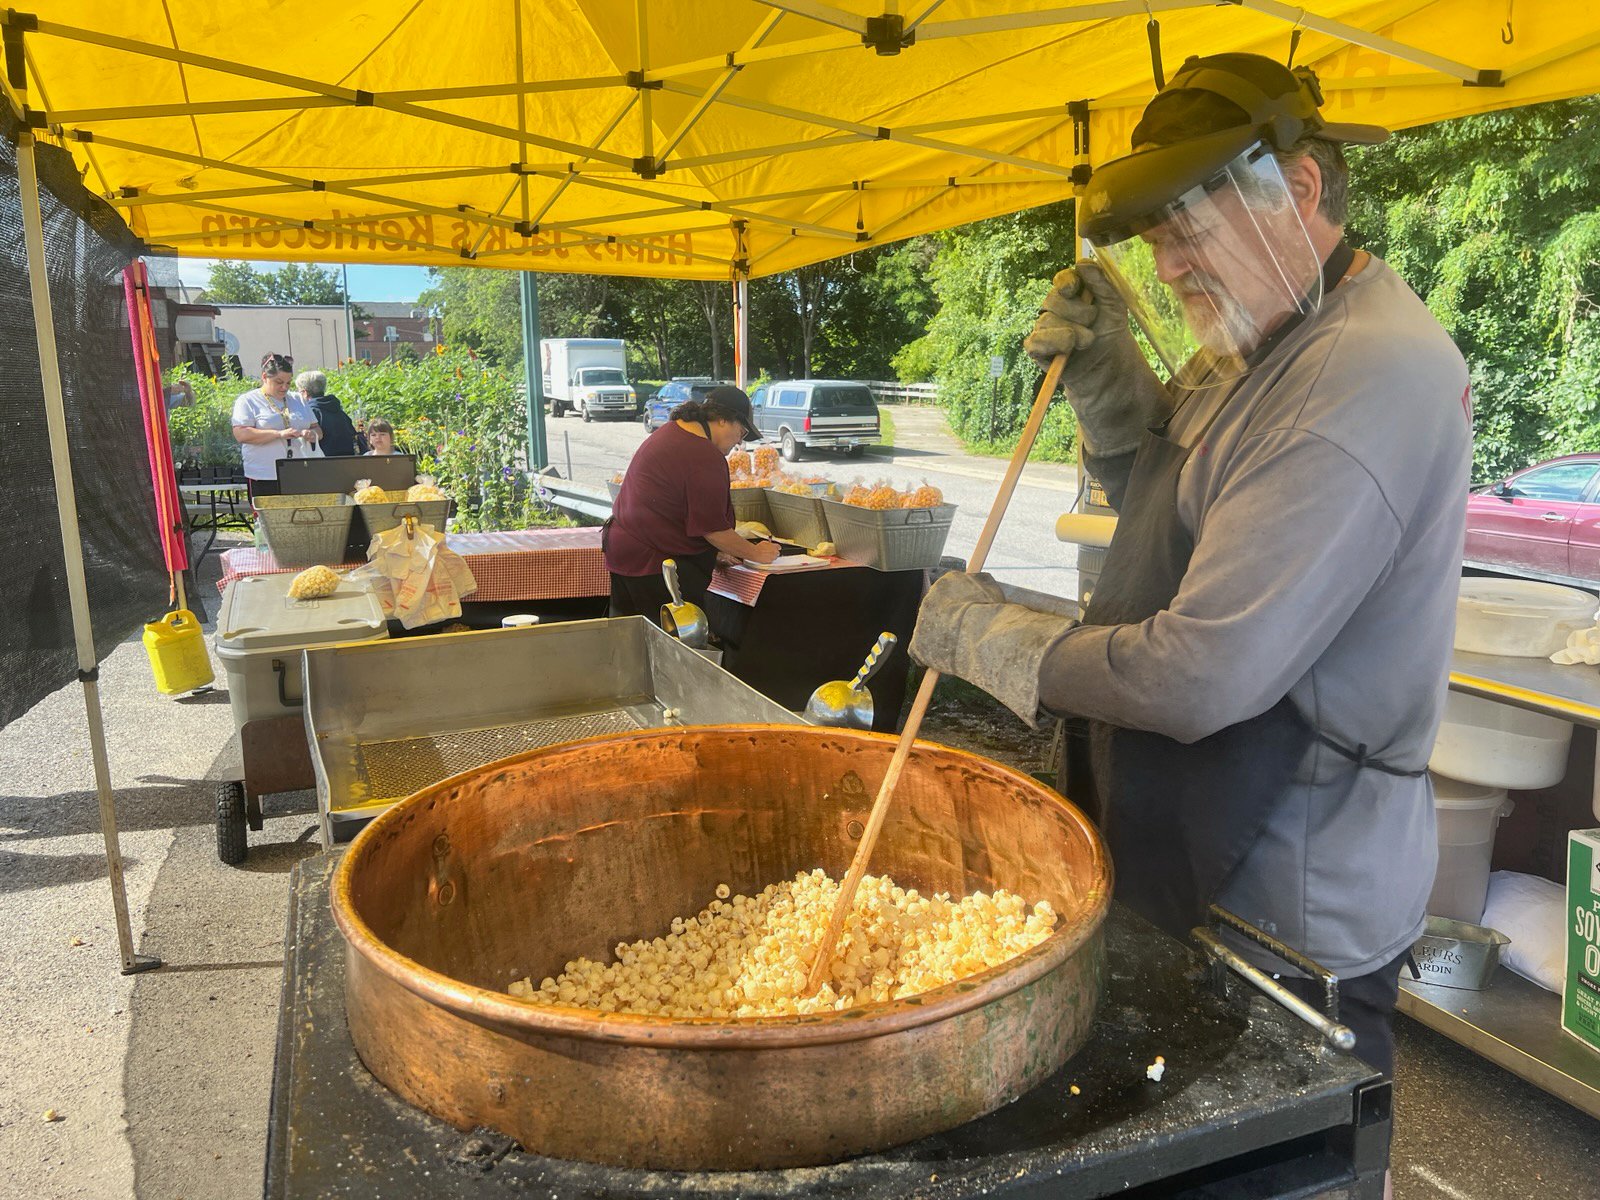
(731,404)
(1235,91)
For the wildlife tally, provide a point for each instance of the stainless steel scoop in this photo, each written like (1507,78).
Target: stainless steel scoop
(849,705)
(686,622)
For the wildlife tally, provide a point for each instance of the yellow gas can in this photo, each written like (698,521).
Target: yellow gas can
(177,651)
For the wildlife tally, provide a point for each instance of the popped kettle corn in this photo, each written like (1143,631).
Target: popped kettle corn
(748,956)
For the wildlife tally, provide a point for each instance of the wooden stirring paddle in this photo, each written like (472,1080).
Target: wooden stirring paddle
(930,680)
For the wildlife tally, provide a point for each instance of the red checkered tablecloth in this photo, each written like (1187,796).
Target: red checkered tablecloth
(744,584)
(521,564)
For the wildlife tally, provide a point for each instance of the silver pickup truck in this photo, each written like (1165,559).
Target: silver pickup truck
(816,414)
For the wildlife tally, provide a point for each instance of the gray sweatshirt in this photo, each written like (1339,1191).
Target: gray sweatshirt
(1327,507)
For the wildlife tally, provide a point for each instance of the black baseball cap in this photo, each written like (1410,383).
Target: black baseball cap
(731,404)
(1234,91)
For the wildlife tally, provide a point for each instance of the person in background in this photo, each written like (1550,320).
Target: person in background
(675,503)
(271,423)
(179,394)
(380,436)
(362,445)
(338,431)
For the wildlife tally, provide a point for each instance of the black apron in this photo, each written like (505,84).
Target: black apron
(1179,818)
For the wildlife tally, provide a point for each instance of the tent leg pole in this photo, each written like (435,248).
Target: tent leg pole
(71,544)
(533,373)
(741,316)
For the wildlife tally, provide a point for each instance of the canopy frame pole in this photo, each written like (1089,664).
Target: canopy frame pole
(351,96)
(795,49)
(533,374)
(572,168)
(645,164)
(741,305)
(1301,18)
(134,201)
(72,545)
(825,14)
(874,132)
(709,96)
(844,201)
(205,108)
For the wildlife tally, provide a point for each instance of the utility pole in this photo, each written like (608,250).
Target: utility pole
(349,319)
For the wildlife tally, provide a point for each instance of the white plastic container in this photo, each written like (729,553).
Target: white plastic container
(1519,618)
(259,626)
(1468,816)
(1495,745)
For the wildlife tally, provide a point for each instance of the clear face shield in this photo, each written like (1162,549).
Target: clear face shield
(1212,274)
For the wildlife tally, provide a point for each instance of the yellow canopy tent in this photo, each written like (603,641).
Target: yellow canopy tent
(709,139)
(701,139)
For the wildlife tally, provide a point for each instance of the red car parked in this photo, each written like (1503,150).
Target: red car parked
(1542,522)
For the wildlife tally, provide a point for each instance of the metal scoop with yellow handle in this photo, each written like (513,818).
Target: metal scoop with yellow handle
(846,704)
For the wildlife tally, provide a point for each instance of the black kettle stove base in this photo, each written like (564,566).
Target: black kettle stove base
(1250,1105)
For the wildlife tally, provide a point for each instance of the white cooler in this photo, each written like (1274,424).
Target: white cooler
(259,626)
(1468,815)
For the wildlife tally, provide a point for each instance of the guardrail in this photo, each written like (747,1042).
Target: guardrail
(903,393)
(584,498)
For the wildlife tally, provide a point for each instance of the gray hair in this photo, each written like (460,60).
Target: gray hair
(1330,160)
(312,383)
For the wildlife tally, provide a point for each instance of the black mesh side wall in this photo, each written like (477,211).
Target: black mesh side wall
(86,248)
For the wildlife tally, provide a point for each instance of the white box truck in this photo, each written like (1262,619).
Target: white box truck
(588,376)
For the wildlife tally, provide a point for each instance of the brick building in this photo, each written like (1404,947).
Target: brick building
(387,326)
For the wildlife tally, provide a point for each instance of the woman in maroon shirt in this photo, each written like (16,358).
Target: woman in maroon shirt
(674,503)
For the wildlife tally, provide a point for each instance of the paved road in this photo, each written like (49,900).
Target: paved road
(1026,551)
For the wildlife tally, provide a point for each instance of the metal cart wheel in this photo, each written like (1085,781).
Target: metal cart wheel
(231,845)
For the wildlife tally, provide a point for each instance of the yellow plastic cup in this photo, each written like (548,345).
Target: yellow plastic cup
(177,651)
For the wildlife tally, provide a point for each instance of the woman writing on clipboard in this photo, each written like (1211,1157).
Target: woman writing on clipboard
(675,503)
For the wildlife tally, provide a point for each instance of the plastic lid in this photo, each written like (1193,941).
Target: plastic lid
(1454,793)
(1527,597)
(257,614)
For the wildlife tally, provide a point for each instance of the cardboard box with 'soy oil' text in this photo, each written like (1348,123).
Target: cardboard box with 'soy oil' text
(1580,1005)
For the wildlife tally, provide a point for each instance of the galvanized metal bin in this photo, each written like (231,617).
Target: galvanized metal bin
(389,513)
(892,539)
(382,726)
(303,531)
(750,504)
(798,519)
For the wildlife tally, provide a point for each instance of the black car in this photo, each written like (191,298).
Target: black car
(657,411)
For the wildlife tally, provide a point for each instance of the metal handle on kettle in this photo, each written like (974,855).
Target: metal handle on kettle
(1339,1036)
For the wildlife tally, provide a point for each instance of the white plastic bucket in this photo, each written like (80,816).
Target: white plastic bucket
(1468,816)
(1497,746)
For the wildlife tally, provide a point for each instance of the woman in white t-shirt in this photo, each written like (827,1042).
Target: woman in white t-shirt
(271,423)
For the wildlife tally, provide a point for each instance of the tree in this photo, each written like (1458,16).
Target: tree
(305,283)
(715,301)
(989,279)
(298,283)
(1494,220)
(236,283)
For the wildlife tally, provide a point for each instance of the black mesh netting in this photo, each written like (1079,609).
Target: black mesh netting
(86,247)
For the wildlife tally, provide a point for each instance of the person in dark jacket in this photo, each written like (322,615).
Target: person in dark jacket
(338,431)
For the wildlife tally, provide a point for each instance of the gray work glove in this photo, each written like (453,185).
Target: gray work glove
(967,629)
(1107,380)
